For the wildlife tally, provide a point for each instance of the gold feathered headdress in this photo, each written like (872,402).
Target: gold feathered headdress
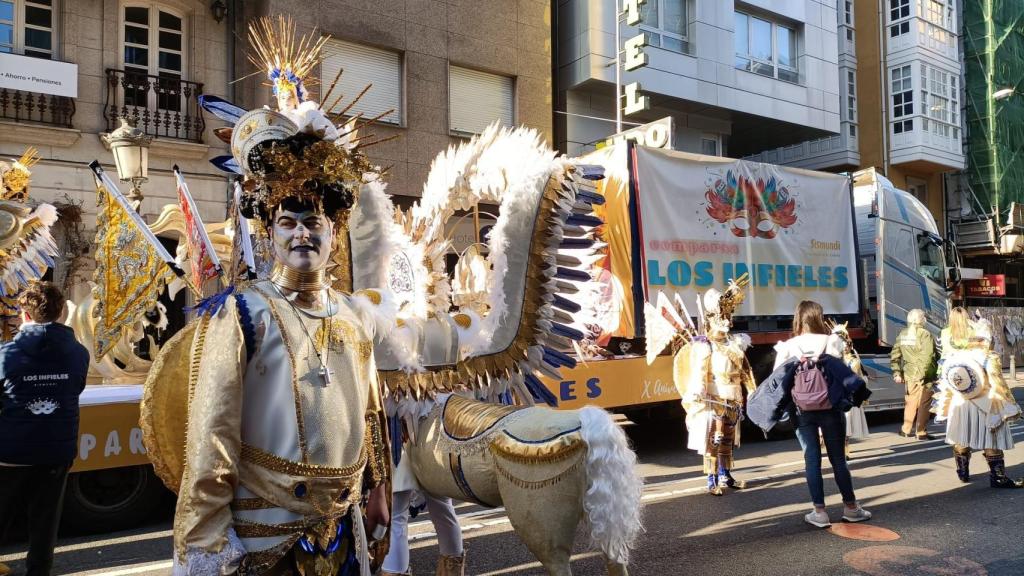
(287,60)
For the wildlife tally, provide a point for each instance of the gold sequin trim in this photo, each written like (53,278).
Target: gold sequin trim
(275,463)
(257,530)
(561,448)
(299,420)
(536,484)
(244,504)
(374,440)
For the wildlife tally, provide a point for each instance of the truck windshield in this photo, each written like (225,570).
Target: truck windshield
(931,264)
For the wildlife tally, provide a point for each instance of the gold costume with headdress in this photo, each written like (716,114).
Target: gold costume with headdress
(26,247)
(285,432)
(711,373)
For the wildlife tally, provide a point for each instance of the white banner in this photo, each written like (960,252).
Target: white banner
(38,75)
(705,222)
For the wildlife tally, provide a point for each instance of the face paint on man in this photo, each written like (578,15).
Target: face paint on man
(302,239)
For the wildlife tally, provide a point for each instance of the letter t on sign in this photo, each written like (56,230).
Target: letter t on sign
(633,11)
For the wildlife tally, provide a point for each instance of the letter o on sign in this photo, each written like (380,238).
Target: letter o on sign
(657,136)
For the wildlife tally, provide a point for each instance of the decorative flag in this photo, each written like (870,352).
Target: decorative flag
(201,254)
(132,267)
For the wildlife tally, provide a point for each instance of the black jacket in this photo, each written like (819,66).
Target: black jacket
(772,402)
(42,372)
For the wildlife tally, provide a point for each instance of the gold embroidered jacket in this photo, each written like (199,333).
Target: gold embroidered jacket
(275,452)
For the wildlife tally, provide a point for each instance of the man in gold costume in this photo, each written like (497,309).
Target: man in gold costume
(286,441)
(711,373)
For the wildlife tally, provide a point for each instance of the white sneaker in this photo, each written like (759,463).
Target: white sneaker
(858,515)
(819,519)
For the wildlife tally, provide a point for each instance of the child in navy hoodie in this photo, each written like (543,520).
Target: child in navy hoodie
(42,373)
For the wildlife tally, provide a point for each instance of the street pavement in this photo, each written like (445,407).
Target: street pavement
(933,524)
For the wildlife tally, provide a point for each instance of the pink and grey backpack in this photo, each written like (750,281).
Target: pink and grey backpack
(810,387)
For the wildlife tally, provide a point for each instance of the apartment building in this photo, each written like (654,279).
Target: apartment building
(737,77)
(444,70)
(74,68)
(901,86)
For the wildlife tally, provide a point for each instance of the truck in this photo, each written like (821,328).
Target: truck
(867,251)
(682,223)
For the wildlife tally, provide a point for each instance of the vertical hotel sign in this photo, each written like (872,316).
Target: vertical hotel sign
(636,100)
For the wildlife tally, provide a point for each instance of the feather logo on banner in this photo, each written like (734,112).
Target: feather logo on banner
(131,272)
(201,255)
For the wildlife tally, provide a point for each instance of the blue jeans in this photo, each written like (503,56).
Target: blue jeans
(832,424)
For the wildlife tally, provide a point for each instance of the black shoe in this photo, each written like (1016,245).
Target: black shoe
(925,437)
(997,476)
(905,435)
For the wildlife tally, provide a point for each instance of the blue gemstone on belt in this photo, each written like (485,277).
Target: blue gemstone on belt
(300,490)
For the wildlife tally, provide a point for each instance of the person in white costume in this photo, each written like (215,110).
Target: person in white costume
(974,400)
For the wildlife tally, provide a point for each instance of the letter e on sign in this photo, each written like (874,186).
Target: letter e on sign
(635,55)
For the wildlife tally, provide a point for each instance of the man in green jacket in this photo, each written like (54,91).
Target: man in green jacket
(913,361)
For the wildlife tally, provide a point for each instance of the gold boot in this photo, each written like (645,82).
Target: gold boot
(4,569)
(452,565)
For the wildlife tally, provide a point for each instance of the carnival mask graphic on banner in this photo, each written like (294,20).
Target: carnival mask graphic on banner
(749,207)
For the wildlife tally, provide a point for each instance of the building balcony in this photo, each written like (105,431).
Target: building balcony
(43,109)
(836,151)
(160,106)
(921,33)
(927,141)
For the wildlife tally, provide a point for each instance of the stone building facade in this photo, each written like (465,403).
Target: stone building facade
(447,67)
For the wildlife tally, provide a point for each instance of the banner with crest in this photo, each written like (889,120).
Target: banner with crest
(130,274)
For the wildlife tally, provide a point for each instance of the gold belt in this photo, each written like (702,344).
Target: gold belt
(275,463)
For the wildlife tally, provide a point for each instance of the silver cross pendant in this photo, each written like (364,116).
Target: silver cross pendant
(325,375)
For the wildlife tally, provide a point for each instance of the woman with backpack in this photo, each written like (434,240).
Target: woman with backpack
(821,387)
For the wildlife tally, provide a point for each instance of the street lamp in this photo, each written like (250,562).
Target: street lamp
(1002,94)
(131,155)
(219,10)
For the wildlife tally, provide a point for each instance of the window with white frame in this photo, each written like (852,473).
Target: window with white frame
(476,99)
(666,23)
(899,17)
(848,12)
(851,96)
(902,90)
(939,93)
(765,47)
(709,144)
(938,12)
(153,55)
(363,66)
(28,27)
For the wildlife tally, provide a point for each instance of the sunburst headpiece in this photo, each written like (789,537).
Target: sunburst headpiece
(16,176)
(288,60)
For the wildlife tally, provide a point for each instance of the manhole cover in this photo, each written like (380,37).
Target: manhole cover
(890,560)
(865,532)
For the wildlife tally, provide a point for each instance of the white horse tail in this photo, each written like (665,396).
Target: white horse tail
(612,500)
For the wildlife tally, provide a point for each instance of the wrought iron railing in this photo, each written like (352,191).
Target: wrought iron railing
(162,106)
(32,107)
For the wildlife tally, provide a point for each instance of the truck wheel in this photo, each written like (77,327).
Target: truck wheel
(662,415)
(110,500)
